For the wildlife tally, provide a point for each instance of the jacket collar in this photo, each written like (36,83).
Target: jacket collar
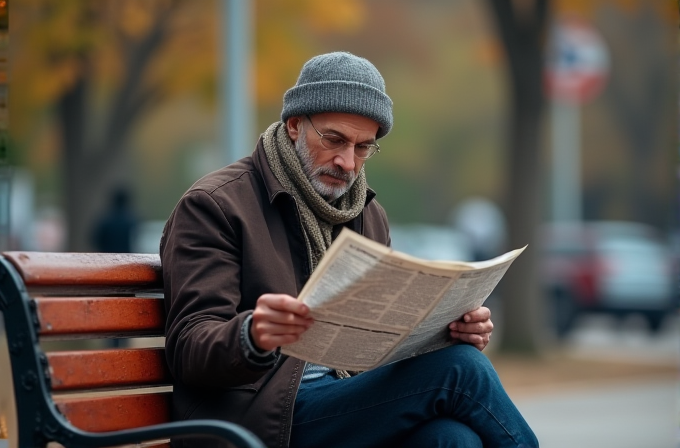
(274,187)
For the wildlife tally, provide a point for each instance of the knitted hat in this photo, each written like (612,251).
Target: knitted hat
(340,82)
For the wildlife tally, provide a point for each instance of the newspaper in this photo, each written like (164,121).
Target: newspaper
(373,305)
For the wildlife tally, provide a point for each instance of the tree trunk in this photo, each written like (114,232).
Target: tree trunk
(90,172)
(521,26)
(94,167)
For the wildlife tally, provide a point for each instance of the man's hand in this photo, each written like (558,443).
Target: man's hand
(474,328)
(278,319)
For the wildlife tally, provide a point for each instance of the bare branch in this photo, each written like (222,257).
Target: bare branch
(129,101)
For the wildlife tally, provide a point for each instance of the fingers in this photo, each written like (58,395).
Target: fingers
(278,319)
(479,315)
(283,303)
(474,328)
(479,341)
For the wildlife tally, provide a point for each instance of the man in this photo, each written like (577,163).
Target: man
(243,241)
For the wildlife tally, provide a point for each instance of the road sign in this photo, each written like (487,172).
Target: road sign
(577,61)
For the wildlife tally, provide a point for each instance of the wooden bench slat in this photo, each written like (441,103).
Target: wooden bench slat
(77,271)
(100,316)
(93,369)
(102,414)
(85,295)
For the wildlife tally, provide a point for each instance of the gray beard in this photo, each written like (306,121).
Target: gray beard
(328,192)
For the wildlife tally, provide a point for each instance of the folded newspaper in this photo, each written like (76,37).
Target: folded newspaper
(373,305)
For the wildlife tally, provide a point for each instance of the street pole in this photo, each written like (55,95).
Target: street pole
(566,161)
(236,89)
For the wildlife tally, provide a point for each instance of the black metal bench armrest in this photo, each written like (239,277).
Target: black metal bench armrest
(235,434)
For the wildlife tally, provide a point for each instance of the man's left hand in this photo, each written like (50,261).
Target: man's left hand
(473,328)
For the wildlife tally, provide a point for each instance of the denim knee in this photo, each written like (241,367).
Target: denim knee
(442,433)
(466,356)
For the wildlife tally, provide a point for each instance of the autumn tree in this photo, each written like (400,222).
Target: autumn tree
(522,26)
(99,66)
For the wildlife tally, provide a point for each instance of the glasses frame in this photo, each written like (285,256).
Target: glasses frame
(374,146)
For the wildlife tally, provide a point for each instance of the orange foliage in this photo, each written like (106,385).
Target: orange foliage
(55,42)
(586,8)
(488,51)
(280,53)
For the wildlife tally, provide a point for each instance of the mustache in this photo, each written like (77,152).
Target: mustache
(347,176)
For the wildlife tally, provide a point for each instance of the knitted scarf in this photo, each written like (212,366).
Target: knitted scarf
(318,216)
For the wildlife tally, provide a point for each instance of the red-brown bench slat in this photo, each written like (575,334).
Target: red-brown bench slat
(92,369)
(102,414)
(80,272)
(92,316)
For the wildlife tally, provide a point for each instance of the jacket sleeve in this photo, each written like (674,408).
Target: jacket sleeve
(201,259)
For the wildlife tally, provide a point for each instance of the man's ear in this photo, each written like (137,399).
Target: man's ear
(293,126)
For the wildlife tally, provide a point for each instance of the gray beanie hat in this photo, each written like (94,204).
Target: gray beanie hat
(340,82)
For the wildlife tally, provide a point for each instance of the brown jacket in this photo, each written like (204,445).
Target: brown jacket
(235,235)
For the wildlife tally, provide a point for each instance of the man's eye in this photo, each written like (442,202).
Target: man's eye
(334,140)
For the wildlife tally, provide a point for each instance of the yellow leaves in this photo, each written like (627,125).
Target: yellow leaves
(58,35)
(135,17)
(321,17)
(189,59)
(488,51)
(48,39)
(55,42)
(332,16)
(587,8)
(286,31)
(59,77)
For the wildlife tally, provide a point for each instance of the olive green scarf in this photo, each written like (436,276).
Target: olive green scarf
(318,216)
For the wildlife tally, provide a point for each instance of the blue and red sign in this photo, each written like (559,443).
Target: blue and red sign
(577,62)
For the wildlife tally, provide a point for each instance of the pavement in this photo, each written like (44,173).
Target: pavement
(634,415)
(608,385)
(571,402)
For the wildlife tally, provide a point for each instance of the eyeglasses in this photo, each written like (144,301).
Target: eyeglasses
(334,142)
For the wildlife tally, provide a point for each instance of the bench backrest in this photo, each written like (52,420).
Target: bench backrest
(65,296)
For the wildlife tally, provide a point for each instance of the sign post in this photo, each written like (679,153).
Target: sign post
(577,67)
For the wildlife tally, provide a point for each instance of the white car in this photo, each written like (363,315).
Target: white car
(609,267)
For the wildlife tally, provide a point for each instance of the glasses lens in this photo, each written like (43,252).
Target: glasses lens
(331,141)
(363,151)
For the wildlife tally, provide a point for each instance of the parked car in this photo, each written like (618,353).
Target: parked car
(617,268)
(431,242)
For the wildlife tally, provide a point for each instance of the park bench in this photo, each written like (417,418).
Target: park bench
(92,397)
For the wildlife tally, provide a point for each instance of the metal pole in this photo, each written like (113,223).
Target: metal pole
(236,92)
(566,161)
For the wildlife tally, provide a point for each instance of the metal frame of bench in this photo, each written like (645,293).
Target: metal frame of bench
(39,419)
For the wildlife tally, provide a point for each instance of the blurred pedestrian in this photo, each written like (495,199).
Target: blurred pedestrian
(114,232)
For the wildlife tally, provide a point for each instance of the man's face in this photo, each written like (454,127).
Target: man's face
(331,172)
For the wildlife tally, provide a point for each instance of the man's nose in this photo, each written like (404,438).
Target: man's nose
(345,158)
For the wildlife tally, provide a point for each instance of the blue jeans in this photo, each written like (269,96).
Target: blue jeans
(448,398)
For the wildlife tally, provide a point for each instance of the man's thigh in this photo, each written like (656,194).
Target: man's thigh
(383,406)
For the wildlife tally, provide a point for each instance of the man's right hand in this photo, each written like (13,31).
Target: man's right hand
(278,319)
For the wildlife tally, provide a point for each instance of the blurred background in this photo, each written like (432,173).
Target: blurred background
(548,123)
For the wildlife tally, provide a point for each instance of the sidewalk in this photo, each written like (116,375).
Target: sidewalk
(524,377)
(591,399)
